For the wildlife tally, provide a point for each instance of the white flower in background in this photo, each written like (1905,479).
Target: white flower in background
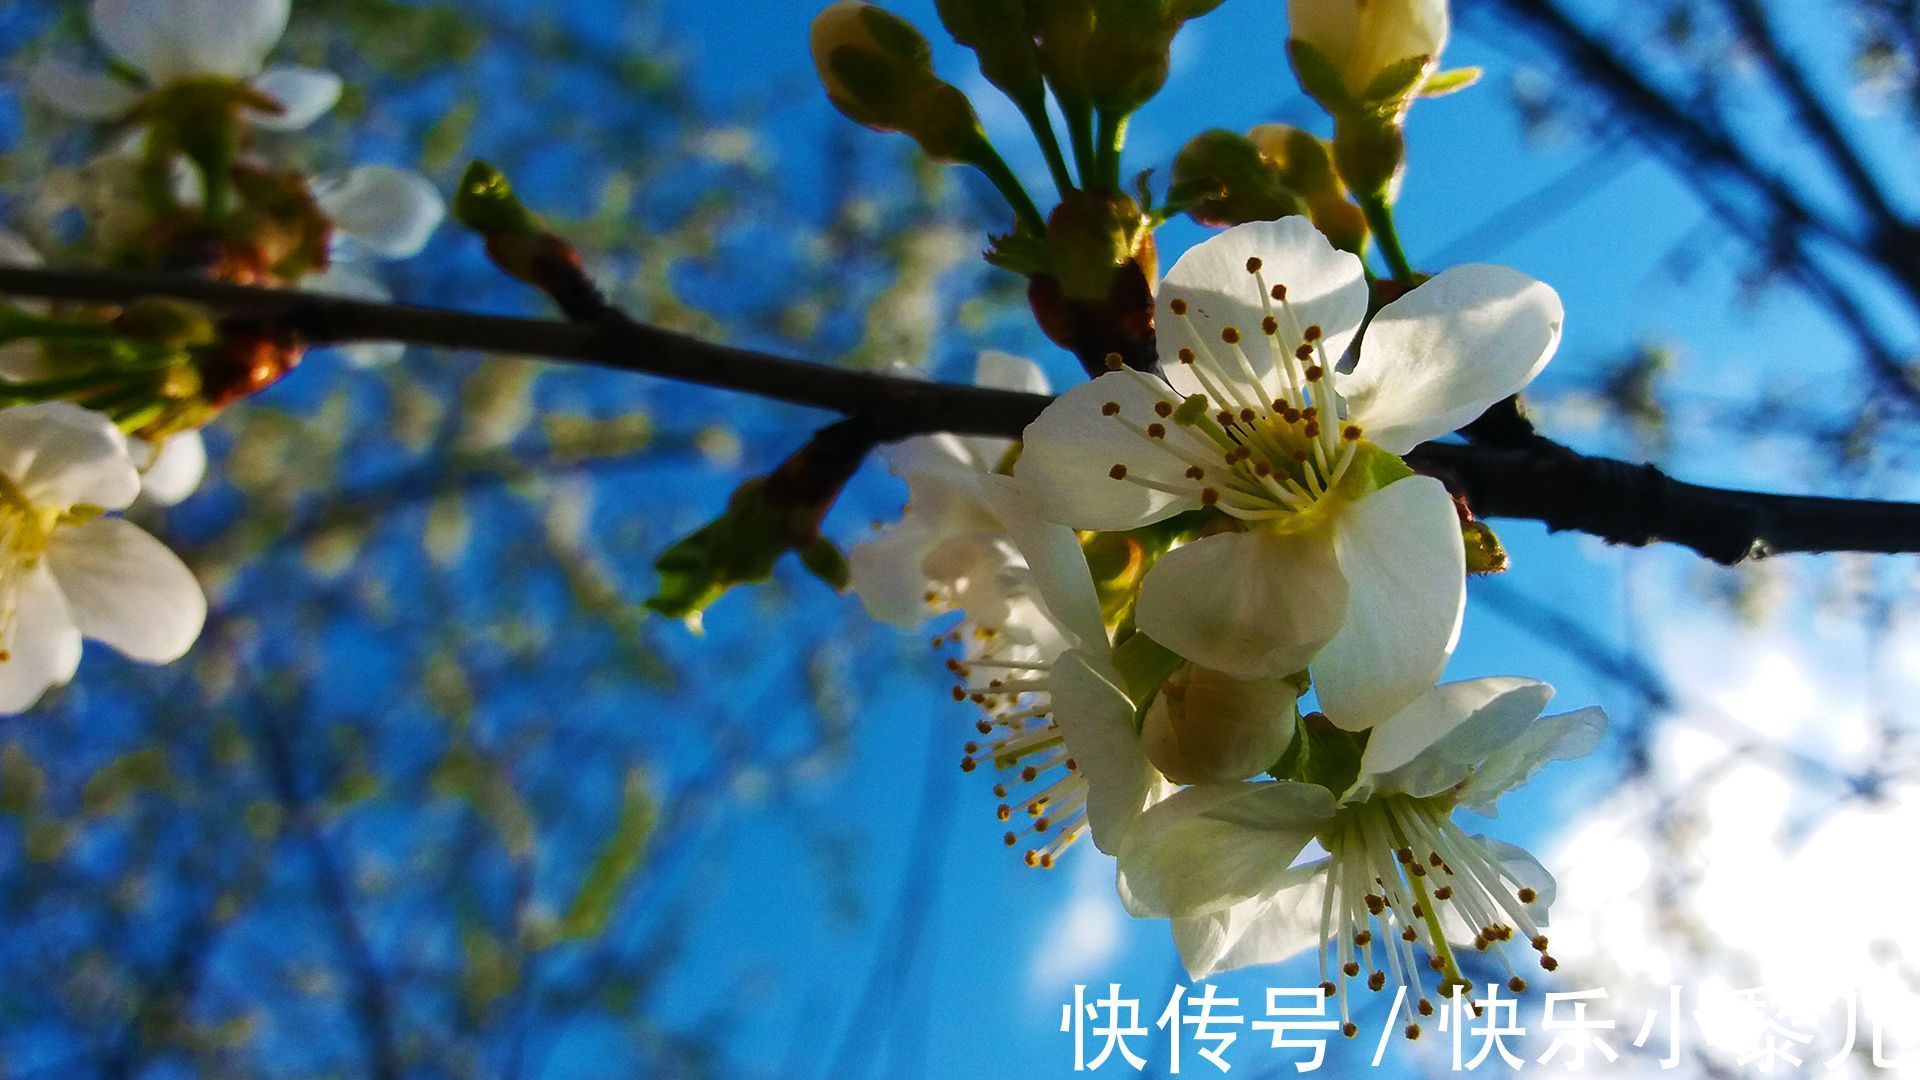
(1363,39)
(168,42)
(20,359)
(972,540)
(1336,555)
(67,570)
(175,471)
(378,212)
(950,550)
(1397,873)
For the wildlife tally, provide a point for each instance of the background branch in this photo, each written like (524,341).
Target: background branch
(1516,474)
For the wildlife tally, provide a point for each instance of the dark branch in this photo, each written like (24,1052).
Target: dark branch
(1512,472)
(897,407)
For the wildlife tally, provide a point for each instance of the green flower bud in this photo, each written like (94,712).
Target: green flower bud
(996,31)
(878,70)
(1305,163)
(1223,179)
(1090,236)
(1205,726)
(1061,30)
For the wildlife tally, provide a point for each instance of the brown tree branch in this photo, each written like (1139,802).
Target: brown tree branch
(1523,475)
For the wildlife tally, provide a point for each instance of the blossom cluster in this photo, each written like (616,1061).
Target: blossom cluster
(1205,610)
(100,404)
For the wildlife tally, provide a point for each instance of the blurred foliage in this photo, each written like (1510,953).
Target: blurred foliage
(411,807)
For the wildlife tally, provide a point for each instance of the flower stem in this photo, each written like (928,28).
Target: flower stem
(1112,137)
(1380,218)
(1035,110)
(1079,116)
(994,168)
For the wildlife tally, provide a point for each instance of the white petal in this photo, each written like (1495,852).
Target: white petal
(177,39)
(127,589)
(1405,566)
(1096,720)
(1253,604)
(1525,871)
(22,359)
(390,212)
(1072,447)
(1552,738)
(1436,358)
(1326,287)
(1211,847)
(304,94)
(885,573)
(1447,733)
(80,93)
(1264,930)
(1054,559)
(174,473)
(16,251)
(45,648)
(1004,371)
(62,455)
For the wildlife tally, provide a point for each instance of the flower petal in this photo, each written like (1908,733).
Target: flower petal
(1213,846)
(1447,733)
(304,94)
(1552,738)
(44,649)
(1251,604)
(1264,930)
(1057,565)
(177,39)
(127,589)
(21,360)
(885,573)
(1525,871)
(1326,287)
(62,455)
(1096,720)
(1405,567)
(77,92)
(390,212)
(1072,447)
(176,471)
(1004,371)
(1436,358)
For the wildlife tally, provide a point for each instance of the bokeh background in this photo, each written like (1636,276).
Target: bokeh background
(433,797)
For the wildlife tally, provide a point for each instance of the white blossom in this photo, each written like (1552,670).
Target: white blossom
(1325,549)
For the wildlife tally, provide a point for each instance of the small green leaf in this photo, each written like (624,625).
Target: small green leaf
(1442,83)
(1397,81)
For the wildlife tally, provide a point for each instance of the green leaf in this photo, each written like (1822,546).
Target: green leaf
(736,548)
(1442,83)
(1397,81)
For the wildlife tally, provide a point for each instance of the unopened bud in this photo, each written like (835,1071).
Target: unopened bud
(1061,30)
(996,31)
(1223,179)
(878,70)
(1365,54)
(1090,236)
(1305,163)
(1206,726)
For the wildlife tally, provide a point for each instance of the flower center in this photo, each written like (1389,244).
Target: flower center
(25,530)
(1040,785)
(1399,870)
(1271,454)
